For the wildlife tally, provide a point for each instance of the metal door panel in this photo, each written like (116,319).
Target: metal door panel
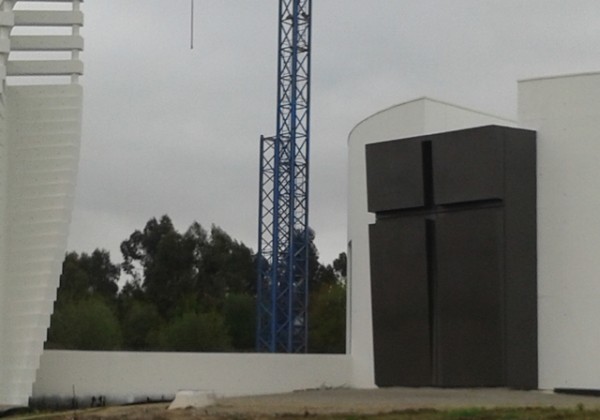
(468,166)
(468,315)
(394,175)
(400,302)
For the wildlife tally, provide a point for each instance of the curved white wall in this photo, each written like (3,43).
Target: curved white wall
(414,118)
(565,111)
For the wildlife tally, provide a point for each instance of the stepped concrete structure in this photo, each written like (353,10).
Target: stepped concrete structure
(40,132)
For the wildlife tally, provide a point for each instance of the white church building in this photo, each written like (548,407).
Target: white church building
(40,131)
(565,113)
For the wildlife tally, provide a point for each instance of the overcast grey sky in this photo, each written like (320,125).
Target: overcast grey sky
(173,130)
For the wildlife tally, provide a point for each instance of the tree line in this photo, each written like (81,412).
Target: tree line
(192,291)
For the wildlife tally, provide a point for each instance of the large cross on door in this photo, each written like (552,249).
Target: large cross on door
(441,285)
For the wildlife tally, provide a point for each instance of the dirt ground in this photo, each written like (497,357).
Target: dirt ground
(341,401)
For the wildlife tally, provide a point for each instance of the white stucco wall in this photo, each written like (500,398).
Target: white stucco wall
(419,117)
(565,111)
(127,377)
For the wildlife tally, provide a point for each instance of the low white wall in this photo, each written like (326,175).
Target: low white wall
(134,376)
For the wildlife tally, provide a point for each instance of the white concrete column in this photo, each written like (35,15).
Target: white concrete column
(565,111)
(6,22)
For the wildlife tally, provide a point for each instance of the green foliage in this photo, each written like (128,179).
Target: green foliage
(166,261)
(88,275)
(324,276)
(74,281)
(327,307)
(340,265)
(239,311)
(172,268)
(194,291)
(84,317)
(226,266)
(193,332)
(319,274)
(327,319)
(141,326)
(464,413)
(87,324)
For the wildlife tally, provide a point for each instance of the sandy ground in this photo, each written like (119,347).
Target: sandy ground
(345,401)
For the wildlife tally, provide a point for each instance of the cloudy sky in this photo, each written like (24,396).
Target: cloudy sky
(170,130)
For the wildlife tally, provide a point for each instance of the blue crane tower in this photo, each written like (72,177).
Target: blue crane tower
(282,288)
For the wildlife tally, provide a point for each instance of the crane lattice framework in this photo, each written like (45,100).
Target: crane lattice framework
(282,288)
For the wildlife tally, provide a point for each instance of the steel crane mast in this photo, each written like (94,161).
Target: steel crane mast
(282,289)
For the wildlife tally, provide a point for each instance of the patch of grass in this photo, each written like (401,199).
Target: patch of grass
(476,413)
(473,413)
(467,413)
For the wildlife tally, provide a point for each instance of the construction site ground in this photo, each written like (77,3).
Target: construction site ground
(351,402)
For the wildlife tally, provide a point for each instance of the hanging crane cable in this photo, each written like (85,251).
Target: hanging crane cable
(192,26)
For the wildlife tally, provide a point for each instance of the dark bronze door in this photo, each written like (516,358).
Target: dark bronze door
(468,304)
(401,330)
(453,259)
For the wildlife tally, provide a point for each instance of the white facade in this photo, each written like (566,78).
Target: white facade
(409,119)
(40,131)
(565,112)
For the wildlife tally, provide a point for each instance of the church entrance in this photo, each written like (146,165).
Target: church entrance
(453,257)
